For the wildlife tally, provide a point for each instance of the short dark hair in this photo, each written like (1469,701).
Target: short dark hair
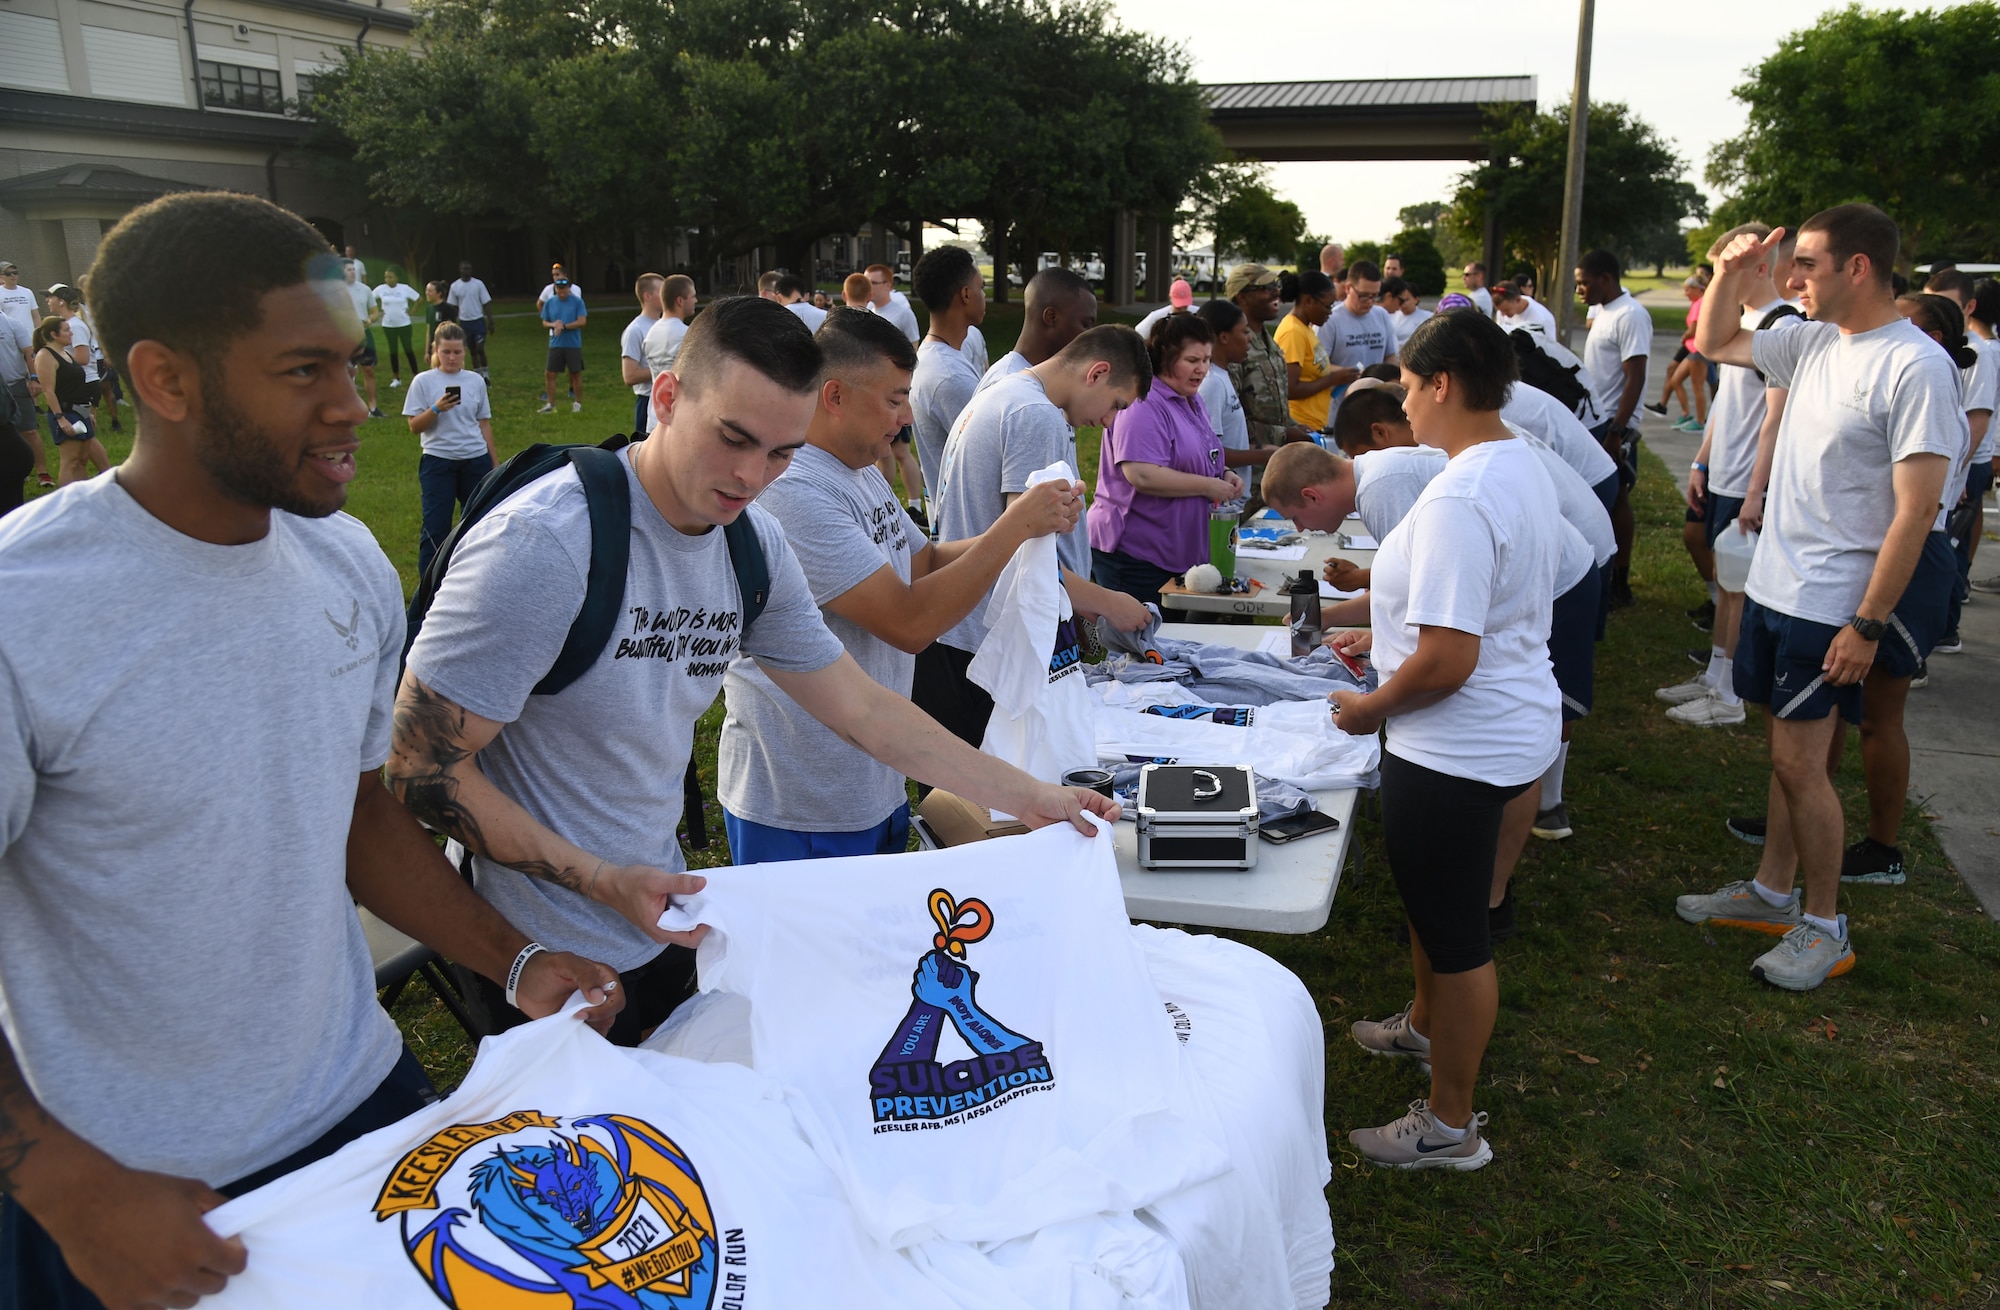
(940,275)
(1940,314)
(1392,255)
(1470,348)
(1312,282)
(761,333)
(1170,336)
(1384,372)
(853,339)
(1858,229)
(235,247)
(1601,263)
(1116,345)
(1985,301)
(1054,283)
(1942,280)
(790,284)
(1476,266)
(1361,410)
(1394,286)
(1220,315)
(1363,270)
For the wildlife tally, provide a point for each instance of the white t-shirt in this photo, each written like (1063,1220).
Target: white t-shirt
(471,298)
(974,347)
(1031,661)
(455,434)
(1405,324)
(1582,511)
(845,525)
(575,761)
(809,314)
(1858,404)
(1144,327)
(183,979)
(1002,368)
(1983,391)
(898,311)
(1388,482)
(978,1094)
(23,306)
(699,1189)
(632,346)
(1225,409)
(1534,317)
(395,302)
(1736,415)
(549,293)
(940,389)
(364,300)
(1620,329)
(1482,298)
(80,335)
(1543,418)
(1478,553)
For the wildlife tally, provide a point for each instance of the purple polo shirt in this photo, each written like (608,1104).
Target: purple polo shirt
(1173,431)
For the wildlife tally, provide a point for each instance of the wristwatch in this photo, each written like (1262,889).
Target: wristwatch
(1870,629)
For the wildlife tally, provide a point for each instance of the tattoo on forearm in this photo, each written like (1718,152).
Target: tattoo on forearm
(428,731)
(21,1119)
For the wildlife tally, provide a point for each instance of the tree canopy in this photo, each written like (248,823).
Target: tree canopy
(1898,109)
(773,122)
(1633,186)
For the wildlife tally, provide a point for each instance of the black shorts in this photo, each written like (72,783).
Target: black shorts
(1692,515)
(365,357)
(940,688)
(1722,511)
(565,359)
(1682,353)
(1443,871)
(1573,643)
(1626,456)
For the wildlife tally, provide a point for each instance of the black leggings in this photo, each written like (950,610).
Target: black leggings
(399,338)
(1441,833)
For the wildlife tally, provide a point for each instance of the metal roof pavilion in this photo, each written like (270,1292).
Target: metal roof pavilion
(1382,118)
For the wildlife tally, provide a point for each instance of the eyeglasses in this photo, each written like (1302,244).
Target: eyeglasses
(1364,295)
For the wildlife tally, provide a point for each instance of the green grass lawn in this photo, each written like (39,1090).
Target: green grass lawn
(1668,1131)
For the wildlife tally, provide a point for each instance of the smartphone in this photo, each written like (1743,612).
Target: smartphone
(452,392)
(1294,826)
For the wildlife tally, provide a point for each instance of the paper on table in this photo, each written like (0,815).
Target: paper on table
(1327,591)
(1253,550)
(1359,541)
(1277,641)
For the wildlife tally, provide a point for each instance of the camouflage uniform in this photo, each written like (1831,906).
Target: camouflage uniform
(1261,384)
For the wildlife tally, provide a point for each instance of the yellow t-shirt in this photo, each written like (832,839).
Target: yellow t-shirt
(1300,345)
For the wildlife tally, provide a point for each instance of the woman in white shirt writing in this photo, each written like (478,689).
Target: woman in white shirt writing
(1461,598)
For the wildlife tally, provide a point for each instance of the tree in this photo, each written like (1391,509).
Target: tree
(1423,262)
(1247,219)
(1898,109)
(1633,184)
(1662,243)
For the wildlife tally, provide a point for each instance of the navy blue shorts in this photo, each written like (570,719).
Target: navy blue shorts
(1690,514)
(757,843)
(1573,643)
(475,330)
(1627,456)
(1924,612)
(1778,661)
(1722,511)
(1607,491)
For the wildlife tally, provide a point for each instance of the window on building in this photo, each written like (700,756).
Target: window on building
(232,86)
(308,85)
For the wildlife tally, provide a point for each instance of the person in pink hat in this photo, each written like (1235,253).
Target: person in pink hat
(1180,300)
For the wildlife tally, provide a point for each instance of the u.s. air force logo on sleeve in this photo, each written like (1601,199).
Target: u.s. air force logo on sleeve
(602,1212)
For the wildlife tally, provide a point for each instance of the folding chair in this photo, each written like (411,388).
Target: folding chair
(399,958)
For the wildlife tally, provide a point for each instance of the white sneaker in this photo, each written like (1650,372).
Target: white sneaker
(395,383)
(1681,693)
(576,407)
(1708,712)
(547,408)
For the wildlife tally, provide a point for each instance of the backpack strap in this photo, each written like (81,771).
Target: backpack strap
(1778,311)
(753,574)
(609,498)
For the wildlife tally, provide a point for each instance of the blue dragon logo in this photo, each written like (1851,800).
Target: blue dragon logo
(609,1215)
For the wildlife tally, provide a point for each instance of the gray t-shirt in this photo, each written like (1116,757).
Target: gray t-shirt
(778,765)
(1009,431)
(939,391)
(1357,340)
(632,346)
(1003,368)
(13,342)
(182,976)
(1858,403)
(456,433)
(1736,415)
(601,761)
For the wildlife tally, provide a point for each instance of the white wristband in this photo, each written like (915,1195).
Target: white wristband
(528,952)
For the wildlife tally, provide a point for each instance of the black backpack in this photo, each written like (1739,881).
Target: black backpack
(1542,372)
(609,498)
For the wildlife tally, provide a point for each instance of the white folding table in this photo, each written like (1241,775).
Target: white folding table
(1291,888)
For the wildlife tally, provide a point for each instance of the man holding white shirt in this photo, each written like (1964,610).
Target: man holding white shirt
(1872,420)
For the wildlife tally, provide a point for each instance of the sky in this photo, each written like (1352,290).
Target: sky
(1674,63)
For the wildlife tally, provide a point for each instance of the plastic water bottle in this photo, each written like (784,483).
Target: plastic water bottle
(1305,619)
(1222,540)
(1733,551)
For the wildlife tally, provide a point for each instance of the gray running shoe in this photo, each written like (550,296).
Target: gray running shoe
(1695,688)
(1805,957)
(1991,586)
(1711,711)
(1413,1142)
(1552,824)
(1393,1036)
(1737,905)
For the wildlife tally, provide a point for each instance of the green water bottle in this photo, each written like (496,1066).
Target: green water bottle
(1222,541)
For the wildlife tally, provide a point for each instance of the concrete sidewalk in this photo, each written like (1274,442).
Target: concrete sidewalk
(1954,723)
